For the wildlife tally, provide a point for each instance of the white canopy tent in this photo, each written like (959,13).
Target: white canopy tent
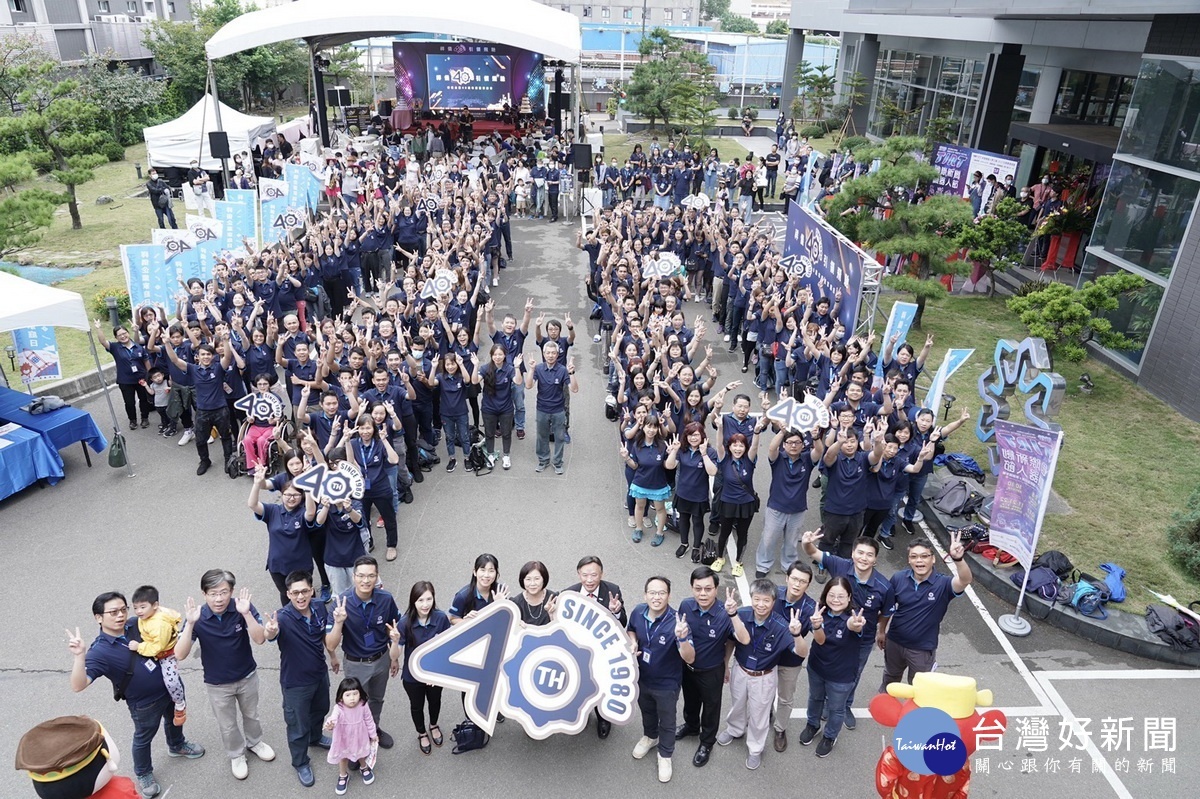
(24,303)
(520,23)
(177,142)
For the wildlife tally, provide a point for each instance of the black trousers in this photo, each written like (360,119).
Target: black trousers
(692,523)
(205,421)
(702,701)
(131,392)
(872,518)
(420,694)
(370,269)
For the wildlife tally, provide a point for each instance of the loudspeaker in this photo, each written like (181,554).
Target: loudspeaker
(385,108)
(218,143)
(581,156)
(337,97)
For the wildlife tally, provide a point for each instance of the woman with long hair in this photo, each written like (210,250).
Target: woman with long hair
(372,453)
(647,457)
(420,622)
(739,502)
(497,377)
(694,462)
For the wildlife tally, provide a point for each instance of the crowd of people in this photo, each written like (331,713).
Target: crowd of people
(358,343)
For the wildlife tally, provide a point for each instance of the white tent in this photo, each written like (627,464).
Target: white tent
(177,142)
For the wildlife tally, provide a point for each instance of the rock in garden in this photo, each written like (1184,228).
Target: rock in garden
(103,199)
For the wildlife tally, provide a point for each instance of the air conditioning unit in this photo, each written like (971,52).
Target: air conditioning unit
(146,19)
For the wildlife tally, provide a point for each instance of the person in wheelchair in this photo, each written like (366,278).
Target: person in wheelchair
(257,433)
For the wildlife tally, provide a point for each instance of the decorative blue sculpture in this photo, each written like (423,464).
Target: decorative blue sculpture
(1022,367)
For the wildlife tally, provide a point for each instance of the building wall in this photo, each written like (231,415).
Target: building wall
(658,12)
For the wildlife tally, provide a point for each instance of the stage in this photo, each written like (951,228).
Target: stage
(480,127)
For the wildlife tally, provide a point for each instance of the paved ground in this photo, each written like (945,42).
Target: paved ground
(100,530)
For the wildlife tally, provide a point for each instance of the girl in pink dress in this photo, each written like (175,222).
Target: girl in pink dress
(353,732)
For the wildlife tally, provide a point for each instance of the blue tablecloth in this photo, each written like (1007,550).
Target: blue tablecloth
(25,459)
(60,428)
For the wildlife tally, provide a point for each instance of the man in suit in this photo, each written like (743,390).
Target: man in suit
(593,585)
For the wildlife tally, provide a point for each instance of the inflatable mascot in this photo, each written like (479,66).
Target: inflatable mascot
(72,757)
(933,733)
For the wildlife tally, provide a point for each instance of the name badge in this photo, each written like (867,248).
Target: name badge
(752,663)
(645,657)
(369,639)
(150,664)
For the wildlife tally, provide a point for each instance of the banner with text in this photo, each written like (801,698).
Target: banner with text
(956,164)
(208,233)
(273,198)
(899,323)
(1028,457)
(181,252)
(37,354)
(148,276)
(302,182)
(825,261)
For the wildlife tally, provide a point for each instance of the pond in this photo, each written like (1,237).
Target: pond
(48,275)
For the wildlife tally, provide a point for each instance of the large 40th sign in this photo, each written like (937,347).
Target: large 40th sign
(548,679)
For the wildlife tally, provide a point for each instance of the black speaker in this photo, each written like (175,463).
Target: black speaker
(385,108)
(218,143)
(581,156)
(337,97)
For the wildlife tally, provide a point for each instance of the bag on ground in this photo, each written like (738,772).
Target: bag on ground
(1056,561)
(1173,628)
(1043,583)
(1114,578)
(957,499)
(467,737)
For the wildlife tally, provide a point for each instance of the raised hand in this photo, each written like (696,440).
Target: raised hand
(271,626)
(260,474)
(818,619)
(731,602)
(75,642)
(243,601)
(857,621)
(614,604)
(957,550)
(682,631)
(393,629)
(339,609)
(191,611)
(795,626)
(810,537)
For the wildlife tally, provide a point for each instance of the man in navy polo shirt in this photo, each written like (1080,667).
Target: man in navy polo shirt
(230,673)
(212,410)
(712,627)
(753,682)
(791,597)
(137,679)
(552,379)
(663,643)
(788,498)
(847,469)
(359,623)
(512,337)
(922,597)
(873,594)
(299,629)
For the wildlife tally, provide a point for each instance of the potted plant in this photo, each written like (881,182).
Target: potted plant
(612,106)
(1066,225)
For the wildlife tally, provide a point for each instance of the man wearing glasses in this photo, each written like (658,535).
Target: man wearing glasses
(299,629)
(135,679)
(359,623)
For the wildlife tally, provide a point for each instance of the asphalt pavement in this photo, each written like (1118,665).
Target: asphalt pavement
(100,530)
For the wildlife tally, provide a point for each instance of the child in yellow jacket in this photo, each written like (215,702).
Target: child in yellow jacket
(159,628)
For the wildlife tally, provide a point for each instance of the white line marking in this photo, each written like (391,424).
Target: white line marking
(1120,674)
(1090,747)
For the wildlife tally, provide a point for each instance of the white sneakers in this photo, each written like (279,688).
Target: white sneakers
(263,752)
(664,769)
(240,770)
(187,437)
(643,747)
(506,462)
(495,281)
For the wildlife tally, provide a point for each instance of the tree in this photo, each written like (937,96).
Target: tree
(938,130)
(695,104)
(814,90)
(272,69)
(852,95)
(16,51)
(778,27)
(24,215)
(713,9)
(736,23)
(660,85)
(1068,318)
(345,66)
(61,131)
(994,240)
(129,101)
(875,211)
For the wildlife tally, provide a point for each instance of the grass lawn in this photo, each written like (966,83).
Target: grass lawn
(620,145)
(1110,472)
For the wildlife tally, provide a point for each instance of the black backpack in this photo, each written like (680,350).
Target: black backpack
(1180,632)
(1056,561)
(957,499)
(1043,583)
(467,737)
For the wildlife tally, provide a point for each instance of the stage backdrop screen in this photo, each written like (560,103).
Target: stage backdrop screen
(449,75)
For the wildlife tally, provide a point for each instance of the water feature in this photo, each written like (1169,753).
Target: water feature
(48,275)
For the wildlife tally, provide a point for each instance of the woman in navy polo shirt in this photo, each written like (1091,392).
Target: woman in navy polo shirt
(904,361)
(926,434)
(739,502)
(288,548)
(497,378)
(130,358)
(372,453)
(694,463)
(647,457)
(451,378)
(832,662)
(482,591)
(421,622)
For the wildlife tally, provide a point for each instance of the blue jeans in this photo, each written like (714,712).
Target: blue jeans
(828,696)
(916,487)
(889,524)
(146,720)
(519,406)
(392,472)
(551,424)
(458,431)
(781,371)
(304,711)
(864,654)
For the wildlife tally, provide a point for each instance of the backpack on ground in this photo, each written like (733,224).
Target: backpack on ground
(427,459)
(961,464)
(1056,561)
(467,737)
(1180,632)
(1115,580)
(971,534)
(1043,583)
(477,458)
(957,499)
(1088,599)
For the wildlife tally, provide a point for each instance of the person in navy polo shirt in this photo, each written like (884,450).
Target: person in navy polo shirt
(791,597)
(288,523)
(230,673)
(131,359)
(299,630)
(713,628)
(872,593)
(788,498)
(662,643)
(922,596)
(420,623)
(212,410)
(135,679)
(847,468)
(359,624)
(753,682)
(553,380)
(837,634)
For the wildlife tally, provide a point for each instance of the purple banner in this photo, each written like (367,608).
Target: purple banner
(1028,456)
(825,262)
(952,163)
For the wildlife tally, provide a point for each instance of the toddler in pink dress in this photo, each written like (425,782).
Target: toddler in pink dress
(353,733)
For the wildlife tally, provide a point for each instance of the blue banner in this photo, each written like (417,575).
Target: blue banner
(273,197)
(899,323)
(208,235)
(37,354)
(825,262)
(950,364)
(302,183)
(238,213)
(181,252)
(150,279)
(1028,457)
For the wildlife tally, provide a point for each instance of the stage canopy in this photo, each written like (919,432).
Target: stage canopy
(526,24)
(177,142)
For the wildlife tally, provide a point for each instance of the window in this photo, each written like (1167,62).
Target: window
(102,6)
(627,13)
(687,15)
(131,7)
(1093,98)
(1144,215)
(171,10)
(667,14)
(587,11)
(18,6)
(604,13)
(1135,313)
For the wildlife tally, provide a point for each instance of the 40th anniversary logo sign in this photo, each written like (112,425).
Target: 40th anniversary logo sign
(548,679)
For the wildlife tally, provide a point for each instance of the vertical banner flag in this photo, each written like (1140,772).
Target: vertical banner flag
(148,277)
(956,164)
(899,323)
(208,235)
(1028,457)
(181,253)
(273,198)
(825,262)
(950,364)
(238,212)
(37,354)
(302,183)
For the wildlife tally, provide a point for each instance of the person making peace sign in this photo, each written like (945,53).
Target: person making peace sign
(837,629)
